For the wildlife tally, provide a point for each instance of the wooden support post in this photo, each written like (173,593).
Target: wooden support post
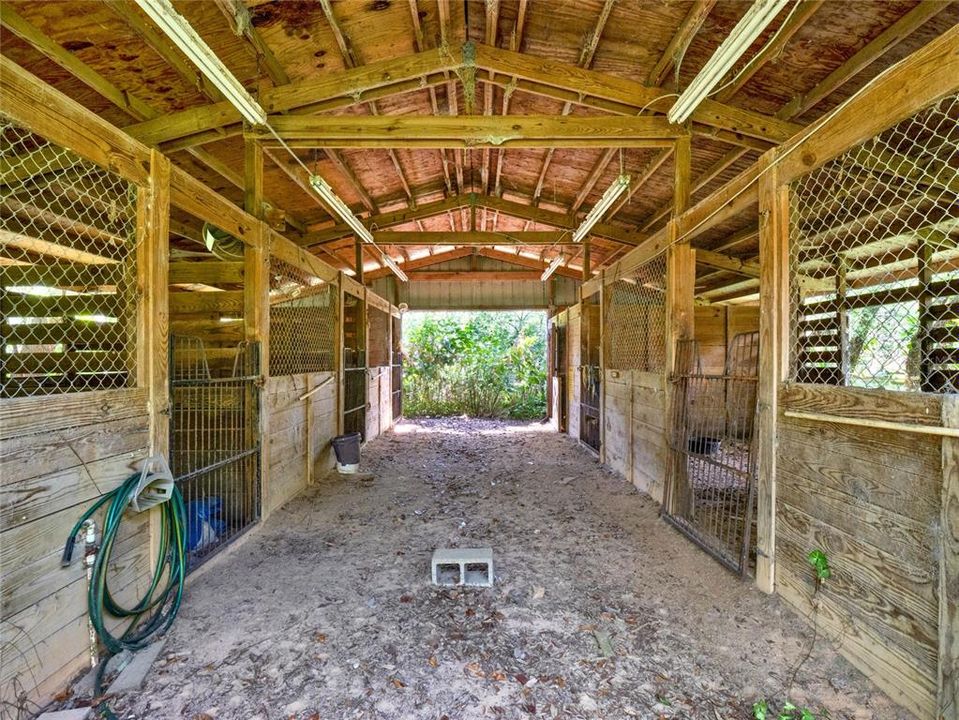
(358,259)
(587,274)
(948,674)
(680,315)
(602,371)
(152,330)
(773,353)
(682,162)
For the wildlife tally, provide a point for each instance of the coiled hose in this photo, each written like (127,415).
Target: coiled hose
(153,614)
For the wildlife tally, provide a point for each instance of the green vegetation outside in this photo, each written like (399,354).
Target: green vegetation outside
(480,364)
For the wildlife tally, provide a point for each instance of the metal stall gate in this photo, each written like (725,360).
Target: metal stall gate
(712,483)
(591,373)
(354,365)
(397,367)
(215,441)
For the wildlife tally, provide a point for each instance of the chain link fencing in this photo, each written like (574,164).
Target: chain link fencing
(303,316)
(874,260)
(636,319)
(68,277)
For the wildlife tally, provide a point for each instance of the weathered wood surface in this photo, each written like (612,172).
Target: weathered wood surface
(870,499)
(948,672)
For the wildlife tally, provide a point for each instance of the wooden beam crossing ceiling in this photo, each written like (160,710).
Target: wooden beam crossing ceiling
(476,237)
(456,202)
(473,131)
(457,253)
(563,81)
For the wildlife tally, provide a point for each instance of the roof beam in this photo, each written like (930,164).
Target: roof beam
(523,261)
(239,15)
(470,132)
(553,74)
(585,60)
(352,84)
(680,41)
(425,261)
(476,237)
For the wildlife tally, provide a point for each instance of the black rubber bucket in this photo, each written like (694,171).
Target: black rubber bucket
(347,449)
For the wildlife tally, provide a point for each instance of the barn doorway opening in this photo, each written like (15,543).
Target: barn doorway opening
(476,364)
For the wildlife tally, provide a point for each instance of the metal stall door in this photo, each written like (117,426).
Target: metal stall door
(712,443)
(397,368)
(355,386)
(559,372)
(215,440)
(590,374)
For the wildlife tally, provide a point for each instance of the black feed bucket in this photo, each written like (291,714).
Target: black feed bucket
(347,449)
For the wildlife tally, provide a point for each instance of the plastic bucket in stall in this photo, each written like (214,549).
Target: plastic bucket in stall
(347,450)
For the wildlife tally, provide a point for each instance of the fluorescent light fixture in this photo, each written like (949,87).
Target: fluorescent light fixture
(391,264)
(756,19)
(553,267)
(178,29)
(339,207)
(599,209)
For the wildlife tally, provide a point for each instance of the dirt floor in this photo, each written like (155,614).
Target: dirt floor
(600,610)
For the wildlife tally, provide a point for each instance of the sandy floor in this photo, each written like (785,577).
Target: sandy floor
(600,610)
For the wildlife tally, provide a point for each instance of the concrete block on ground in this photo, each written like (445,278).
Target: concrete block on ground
(75,714)
(463,566)
(132,676)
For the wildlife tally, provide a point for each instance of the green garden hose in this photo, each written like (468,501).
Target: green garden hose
(153,614)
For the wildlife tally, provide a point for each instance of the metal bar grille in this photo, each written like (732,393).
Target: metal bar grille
(591,372)
(636,319)
(215,443)
(68,275)
(379,337)
(303,313)
(397,360)
(712,443)
(874,253)
(354,365)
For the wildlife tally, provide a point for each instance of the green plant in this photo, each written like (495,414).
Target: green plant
(761,711)
(820,563)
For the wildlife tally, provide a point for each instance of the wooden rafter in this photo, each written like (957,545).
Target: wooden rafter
(425,261)
(586,56)
(350,60)
(515,43)
(476,237)
(680,41)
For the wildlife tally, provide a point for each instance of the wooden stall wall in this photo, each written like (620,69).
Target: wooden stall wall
(715,328)
(870,499)
(574,369)
(57,456)
(379,406)
(302,412)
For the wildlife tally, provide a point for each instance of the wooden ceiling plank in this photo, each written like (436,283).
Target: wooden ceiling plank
(586,55)
(354,181)
(515,42)
(237,13)
(127,11)
(350,60)
(680,41)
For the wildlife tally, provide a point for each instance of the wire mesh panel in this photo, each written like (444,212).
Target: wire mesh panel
(591,372)
(68,285)
(713,469)
(303,314)
(355,386)
(636,319)
(397,367)
(215,443)
(874,250)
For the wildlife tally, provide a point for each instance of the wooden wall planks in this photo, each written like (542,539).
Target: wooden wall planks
(870,499)
(57,455)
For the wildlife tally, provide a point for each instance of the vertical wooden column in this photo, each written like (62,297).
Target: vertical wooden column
(948,674)
(602,368)
(680,315)
(773,354)
(682,171)
(358,261)
(152,330)
(256,298)
(587,261)
(340,354)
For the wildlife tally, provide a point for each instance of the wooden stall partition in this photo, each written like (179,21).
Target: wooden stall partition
(379,415)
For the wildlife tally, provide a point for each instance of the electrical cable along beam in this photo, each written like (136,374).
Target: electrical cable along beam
(510,131)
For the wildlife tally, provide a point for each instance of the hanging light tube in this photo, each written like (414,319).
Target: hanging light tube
(178,29)
(391,264)
(612,193)
(553,267)
(339,207)
(739,40)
